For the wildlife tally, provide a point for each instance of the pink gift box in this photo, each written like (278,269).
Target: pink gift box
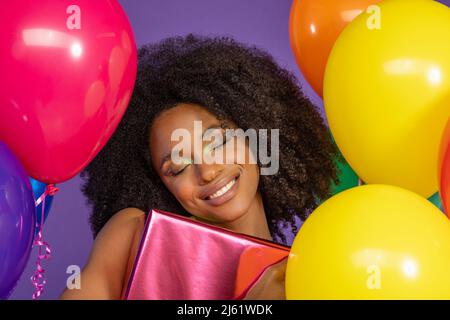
(182,259)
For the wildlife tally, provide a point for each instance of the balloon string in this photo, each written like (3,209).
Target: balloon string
(44,251)
(51,190)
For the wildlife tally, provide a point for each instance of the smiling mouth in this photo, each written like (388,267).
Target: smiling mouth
(223,190)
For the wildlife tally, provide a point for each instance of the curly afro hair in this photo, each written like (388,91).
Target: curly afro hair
(235,82)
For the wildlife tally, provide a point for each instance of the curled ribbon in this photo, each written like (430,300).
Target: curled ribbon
(44,251)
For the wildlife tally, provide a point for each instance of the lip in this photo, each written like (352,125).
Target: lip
(219,185)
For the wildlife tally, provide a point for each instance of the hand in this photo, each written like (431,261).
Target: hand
(271,284)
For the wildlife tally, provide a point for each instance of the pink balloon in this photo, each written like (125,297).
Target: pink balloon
(67,74)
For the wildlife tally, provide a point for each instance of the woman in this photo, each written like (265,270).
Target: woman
(224,85)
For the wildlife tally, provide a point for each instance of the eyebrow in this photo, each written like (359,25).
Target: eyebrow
(168,156)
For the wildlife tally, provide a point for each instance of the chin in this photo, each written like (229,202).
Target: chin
(230,212)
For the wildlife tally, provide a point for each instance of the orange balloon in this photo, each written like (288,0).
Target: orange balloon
(444,170)
(313,29)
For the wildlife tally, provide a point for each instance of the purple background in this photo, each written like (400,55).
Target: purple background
(260,22)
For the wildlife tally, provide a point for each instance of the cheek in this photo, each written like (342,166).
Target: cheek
(244,156)
(252,171)
(182,188)
(238,151)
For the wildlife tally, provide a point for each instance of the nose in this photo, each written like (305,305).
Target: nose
(207,172)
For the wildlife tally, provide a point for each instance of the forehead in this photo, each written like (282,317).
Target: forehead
(181,116)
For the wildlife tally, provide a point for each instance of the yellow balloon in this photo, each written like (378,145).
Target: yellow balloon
(371,242)
(387,92)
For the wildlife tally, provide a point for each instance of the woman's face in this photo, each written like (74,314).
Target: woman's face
(221,191)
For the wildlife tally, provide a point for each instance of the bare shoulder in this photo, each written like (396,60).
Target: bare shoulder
(126,220)
(109,262)
(121,232)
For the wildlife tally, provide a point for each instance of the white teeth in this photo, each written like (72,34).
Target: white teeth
(223,190)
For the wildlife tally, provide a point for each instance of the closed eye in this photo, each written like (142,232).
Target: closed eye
(177,169)
(174,173)
(225,139)
(180,171)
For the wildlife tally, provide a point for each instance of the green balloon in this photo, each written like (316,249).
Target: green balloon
(347,177)
(436,200)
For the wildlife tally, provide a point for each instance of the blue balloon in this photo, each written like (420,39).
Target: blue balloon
(17,220)
(38,190)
